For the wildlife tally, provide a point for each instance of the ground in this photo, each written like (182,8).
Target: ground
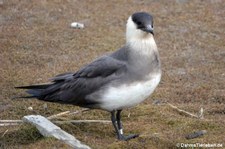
(38,43)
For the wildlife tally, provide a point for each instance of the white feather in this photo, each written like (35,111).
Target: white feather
(126,96)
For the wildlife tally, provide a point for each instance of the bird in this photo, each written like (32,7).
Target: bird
(112,82)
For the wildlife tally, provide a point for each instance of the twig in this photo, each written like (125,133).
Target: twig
(82,121)
(79,111)
(57,115)
(65,113)
(201,116)
(4,133)
(9,124)
(17,122)
(11,121)
(185,112)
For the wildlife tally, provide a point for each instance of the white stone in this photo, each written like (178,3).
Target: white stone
(77,25)
(30,108)
(48,129)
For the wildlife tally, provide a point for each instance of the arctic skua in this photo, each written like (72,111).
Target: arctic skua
(113,82)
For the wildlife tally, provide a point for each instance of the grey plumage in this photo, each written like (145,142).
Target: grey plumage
(75,88)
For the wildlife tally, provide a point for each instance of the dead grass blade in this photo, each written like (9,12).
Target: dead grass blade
(82,121)
(200,116)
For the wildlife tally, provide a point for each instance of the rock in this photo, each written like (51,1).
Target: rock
(45,106)
(157,102)
(196,134)
(48,129)
(30,108)
(77,25)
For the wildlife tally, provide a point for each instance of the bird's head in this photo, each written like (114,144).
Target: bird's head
(139,26)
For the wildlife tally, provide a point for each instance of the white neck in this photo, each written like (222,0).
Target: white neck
(138,40)
(143,48)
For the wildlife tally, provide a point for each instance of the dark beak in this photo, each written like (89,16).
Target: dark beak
(148,29)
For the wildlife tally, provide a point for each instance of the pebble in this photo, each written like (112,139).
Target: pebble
(77,25)
(30,108)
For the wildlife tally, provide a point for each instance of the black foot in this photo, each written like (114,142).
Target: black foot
(126,138)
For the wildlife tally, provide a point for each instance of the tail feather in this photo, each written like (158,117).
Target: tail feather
(39,86)
(35,91)
(23,97)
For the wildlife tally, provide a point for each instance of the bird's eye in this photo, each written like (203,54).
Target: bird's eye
(139,23)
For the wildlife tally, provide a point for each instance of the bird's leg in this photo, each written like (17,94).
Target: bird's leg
(119,123)
(116,121)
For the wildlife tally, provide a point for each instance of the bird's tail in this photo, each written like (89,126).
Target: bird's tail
(34,91)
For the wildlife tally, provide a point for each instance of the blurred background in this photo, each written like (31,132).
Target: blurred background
(37,43)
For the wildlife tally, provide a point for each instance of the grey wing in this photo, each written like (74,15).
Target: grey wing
(73,88)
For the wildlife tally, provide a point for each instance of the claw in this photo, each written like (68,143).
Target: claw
(118,127)
(126,138)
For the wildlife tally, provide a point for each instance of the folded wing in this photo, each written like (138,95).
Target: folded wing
(74,88)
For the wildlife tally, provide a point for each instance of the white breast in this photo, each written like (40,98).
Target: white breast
(126,96)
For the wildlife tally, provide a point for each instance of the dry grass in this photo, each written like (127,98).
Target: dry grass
(37,43)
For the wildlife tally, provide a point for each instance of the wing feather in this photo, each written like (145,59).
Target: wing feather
(73,88)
